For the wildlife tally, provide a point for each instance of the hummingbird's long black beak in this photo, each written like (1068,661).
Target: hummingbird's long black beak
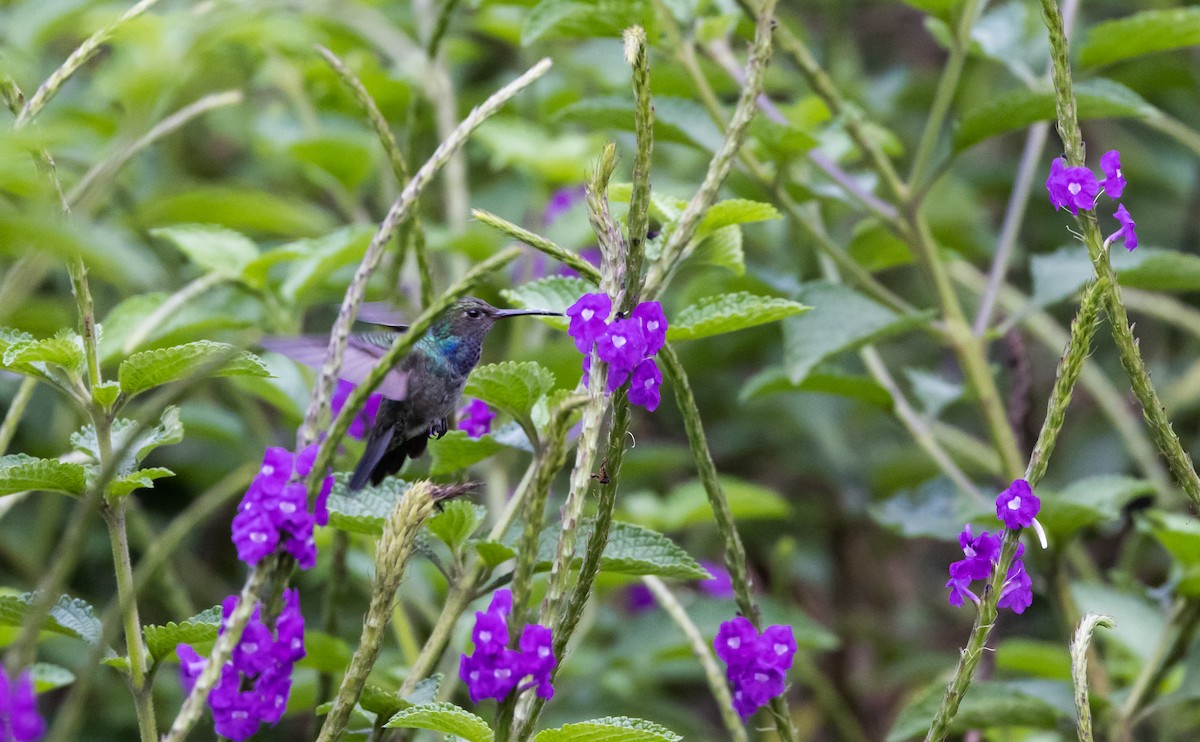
(501,313)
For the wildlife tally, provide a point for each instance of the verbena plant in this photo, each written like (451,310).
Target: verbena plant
(197,177)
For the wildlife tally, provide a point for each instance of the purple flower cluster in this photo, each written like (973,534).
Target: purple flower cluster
(756,666)
(1016,507)
(1076,188)
(255,683)
(365,419)
(19,717)
(275,509)
(721,584)
(494,670)
(476,418)
(627,345)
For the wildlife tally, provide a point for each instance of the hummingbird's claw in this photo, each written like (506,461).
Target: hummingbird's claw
(439,427)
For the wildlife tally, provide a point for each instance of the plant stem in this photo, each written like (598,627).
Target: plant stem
(114,517)
(638,220)
(458,598)
(1079,652)
(1176,638)
(16,409)
(703,653)
(566,257)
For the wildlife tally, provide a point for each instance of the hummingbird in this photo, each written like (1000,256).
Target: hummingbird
(420,393)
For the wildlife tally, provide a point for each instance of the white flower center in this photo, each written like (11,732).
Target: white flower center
(587,314)
(781,649)
(649,383)
(1119,173)
(1014,504)
(268,470)
(485,636)
(258,537)
(287,507)
(543,651)
(1074,189)
(618,342)
(735,642)
(653,325)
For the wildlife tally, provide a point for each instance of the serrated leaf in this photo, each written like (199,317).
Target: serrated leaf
(140,479)
(68,616)
(128,436)
(609,729)
(456,450)
(151,368)
(841,319)
(583,18)
(211,248)
(494,553)
(199,629)
(554,293)
(323,256)
(722,248)
(425,691)
(106,393)
(1097,99)
(443,717)
(20,473)
(365,510)
(457,521)
(735,211)
(1141,33)
(511,387)
(64,351)
(723,313)
(631,550)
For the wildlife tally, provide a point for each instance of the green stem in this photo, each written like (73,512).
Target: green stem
(16,409)
(735,552)
(458,598)
(944,95)
(638,221)
(561,254)
(1176,638)
(1079,653)
(703,653)
(114,517)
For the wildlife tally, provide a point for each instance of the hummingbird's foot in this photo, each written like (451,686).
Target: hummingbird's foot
(439,427)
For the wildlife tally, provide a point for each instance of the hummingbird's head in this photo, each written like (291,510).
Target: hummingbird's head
(471,317)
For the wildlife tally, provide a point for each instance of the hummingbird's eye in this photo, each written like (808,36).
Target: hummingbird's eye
(474,313)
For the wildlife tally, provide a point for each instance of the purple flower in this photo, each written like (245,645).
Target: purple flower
(756,666)
(1017,506)
(960,589)
(494,670)
(255,683)
(644,385)
(981,553)
(1128,230)
(1072,187)
(589,319)
(654,325)
(476,418)
(638,598)
(365,419)
(721,584)
(1017,591)
(19,717)
(1114,181)
(274,510)
(622,347)
(561,202)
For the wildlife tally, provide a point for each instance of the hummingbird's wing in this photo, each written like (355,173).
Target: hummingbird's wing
(362,353)
(381,313)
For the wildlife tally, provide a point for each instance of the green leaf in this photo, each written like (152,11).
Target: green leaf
(1097,99)
(457,521)
(1180,536)
(554,293)
(211,248)
(323,256)
(932,509)
(841,319)
(722,248)
(19,473)
(511,387)
(735,211)
(144,440)
(609,729)
(456,450)
(35,357)
(523,144)
(1141,33)
(140,479)
(1044,659)
(776,381)
(875,247)
(151,368)
(366,510)
(1140,620)
(715,315)
(680,120)
(47,677)
(987,704)
(1061,273)
(1088,502)
(687,505)
(199,629)
(631,550)
(68,616)
(242,209)
(106,393)
(443,717)
(583,18)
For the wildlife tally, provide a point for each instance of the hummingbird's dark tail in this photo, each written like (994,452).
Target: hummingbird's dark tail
(383,457)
